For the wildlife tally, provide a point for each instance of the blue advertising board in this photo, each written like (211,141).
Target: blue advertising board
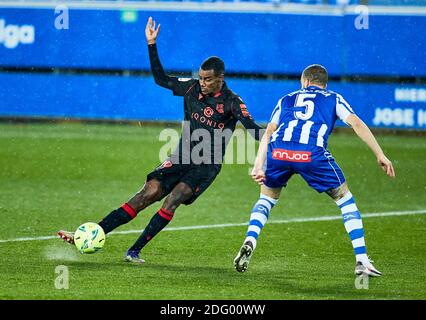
(139,98)
(248,42)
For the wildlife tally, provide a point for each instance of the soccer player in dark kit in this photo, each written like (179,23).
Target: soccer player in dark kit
(210,110)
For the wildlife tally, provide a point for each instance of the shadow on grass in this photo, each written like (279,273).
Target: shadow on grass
(148,266)
(253,285)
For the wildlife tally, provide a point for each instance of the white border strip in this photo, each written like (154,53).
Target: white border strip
(242,7)
(226,225)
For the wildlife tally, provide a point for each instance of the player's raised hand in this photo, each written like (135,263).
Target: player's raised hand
(258,175)
(151,32)
(386,165)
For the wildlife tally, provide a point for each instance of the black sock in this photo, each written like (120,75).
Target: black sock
(117,217)
(157,223)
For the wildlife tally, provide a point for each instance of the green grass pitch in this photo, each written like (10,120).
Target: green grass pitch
(58,176)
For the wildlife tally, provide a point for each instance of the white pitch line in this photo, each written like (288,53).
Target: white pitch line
(225,225)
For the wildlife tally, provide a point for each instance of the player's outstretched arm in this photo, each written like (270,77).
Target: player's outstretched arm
(258,174)
(160,77)
(367,136)
(179,87)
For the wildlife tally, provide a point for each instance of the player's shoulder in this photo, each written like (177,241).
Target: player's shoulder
(283,99)
(183,79)
(186,81)
(341,101)
(234,99)
(290,95)
(294,93)
(186,85)
(333,93)
(339,97)
(231,95)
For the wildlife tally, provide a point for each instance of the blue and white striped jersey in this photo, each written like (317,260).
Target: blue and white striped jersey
(308,116)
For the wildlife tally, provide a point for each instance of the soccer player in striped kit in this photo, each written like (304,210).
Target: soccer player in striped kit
(295,142)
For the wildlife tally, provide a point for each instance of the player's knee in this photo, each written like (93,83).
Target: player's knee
(338,193)
(182,191)
(153,193)
(150,193)
(179,195)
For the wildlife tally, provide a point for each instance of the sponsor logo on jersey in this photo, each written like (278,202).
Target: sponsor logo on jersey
(219,107)
(291,156)
(205,120)
(208,112)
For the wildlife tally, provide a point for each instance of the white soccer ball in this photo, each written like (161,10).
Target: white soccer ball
(89,237)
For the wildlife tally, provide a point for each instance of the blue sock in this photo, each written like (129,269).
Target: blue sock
(258,218)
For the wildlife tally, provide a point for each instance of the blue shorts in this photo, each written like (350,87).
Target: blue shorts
(316,166)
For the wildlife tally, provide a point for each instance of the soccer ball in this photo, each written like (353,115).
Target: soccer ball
(89,237)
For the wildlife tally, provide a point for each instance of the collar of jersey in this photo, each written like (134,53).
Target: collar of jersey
(216,95)
(314,88)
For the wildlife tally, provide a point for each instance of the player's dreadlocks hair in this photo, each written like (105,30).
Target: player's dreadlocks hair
(316,73)
(214,63)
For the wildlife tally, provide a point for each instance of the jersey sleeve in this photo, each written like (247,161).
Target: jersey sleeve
(179,86)
(240,112)
(276,113)
(343,109)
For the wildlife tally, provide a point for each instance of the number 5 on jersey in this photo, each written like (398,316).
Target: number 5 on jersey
(308,104)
